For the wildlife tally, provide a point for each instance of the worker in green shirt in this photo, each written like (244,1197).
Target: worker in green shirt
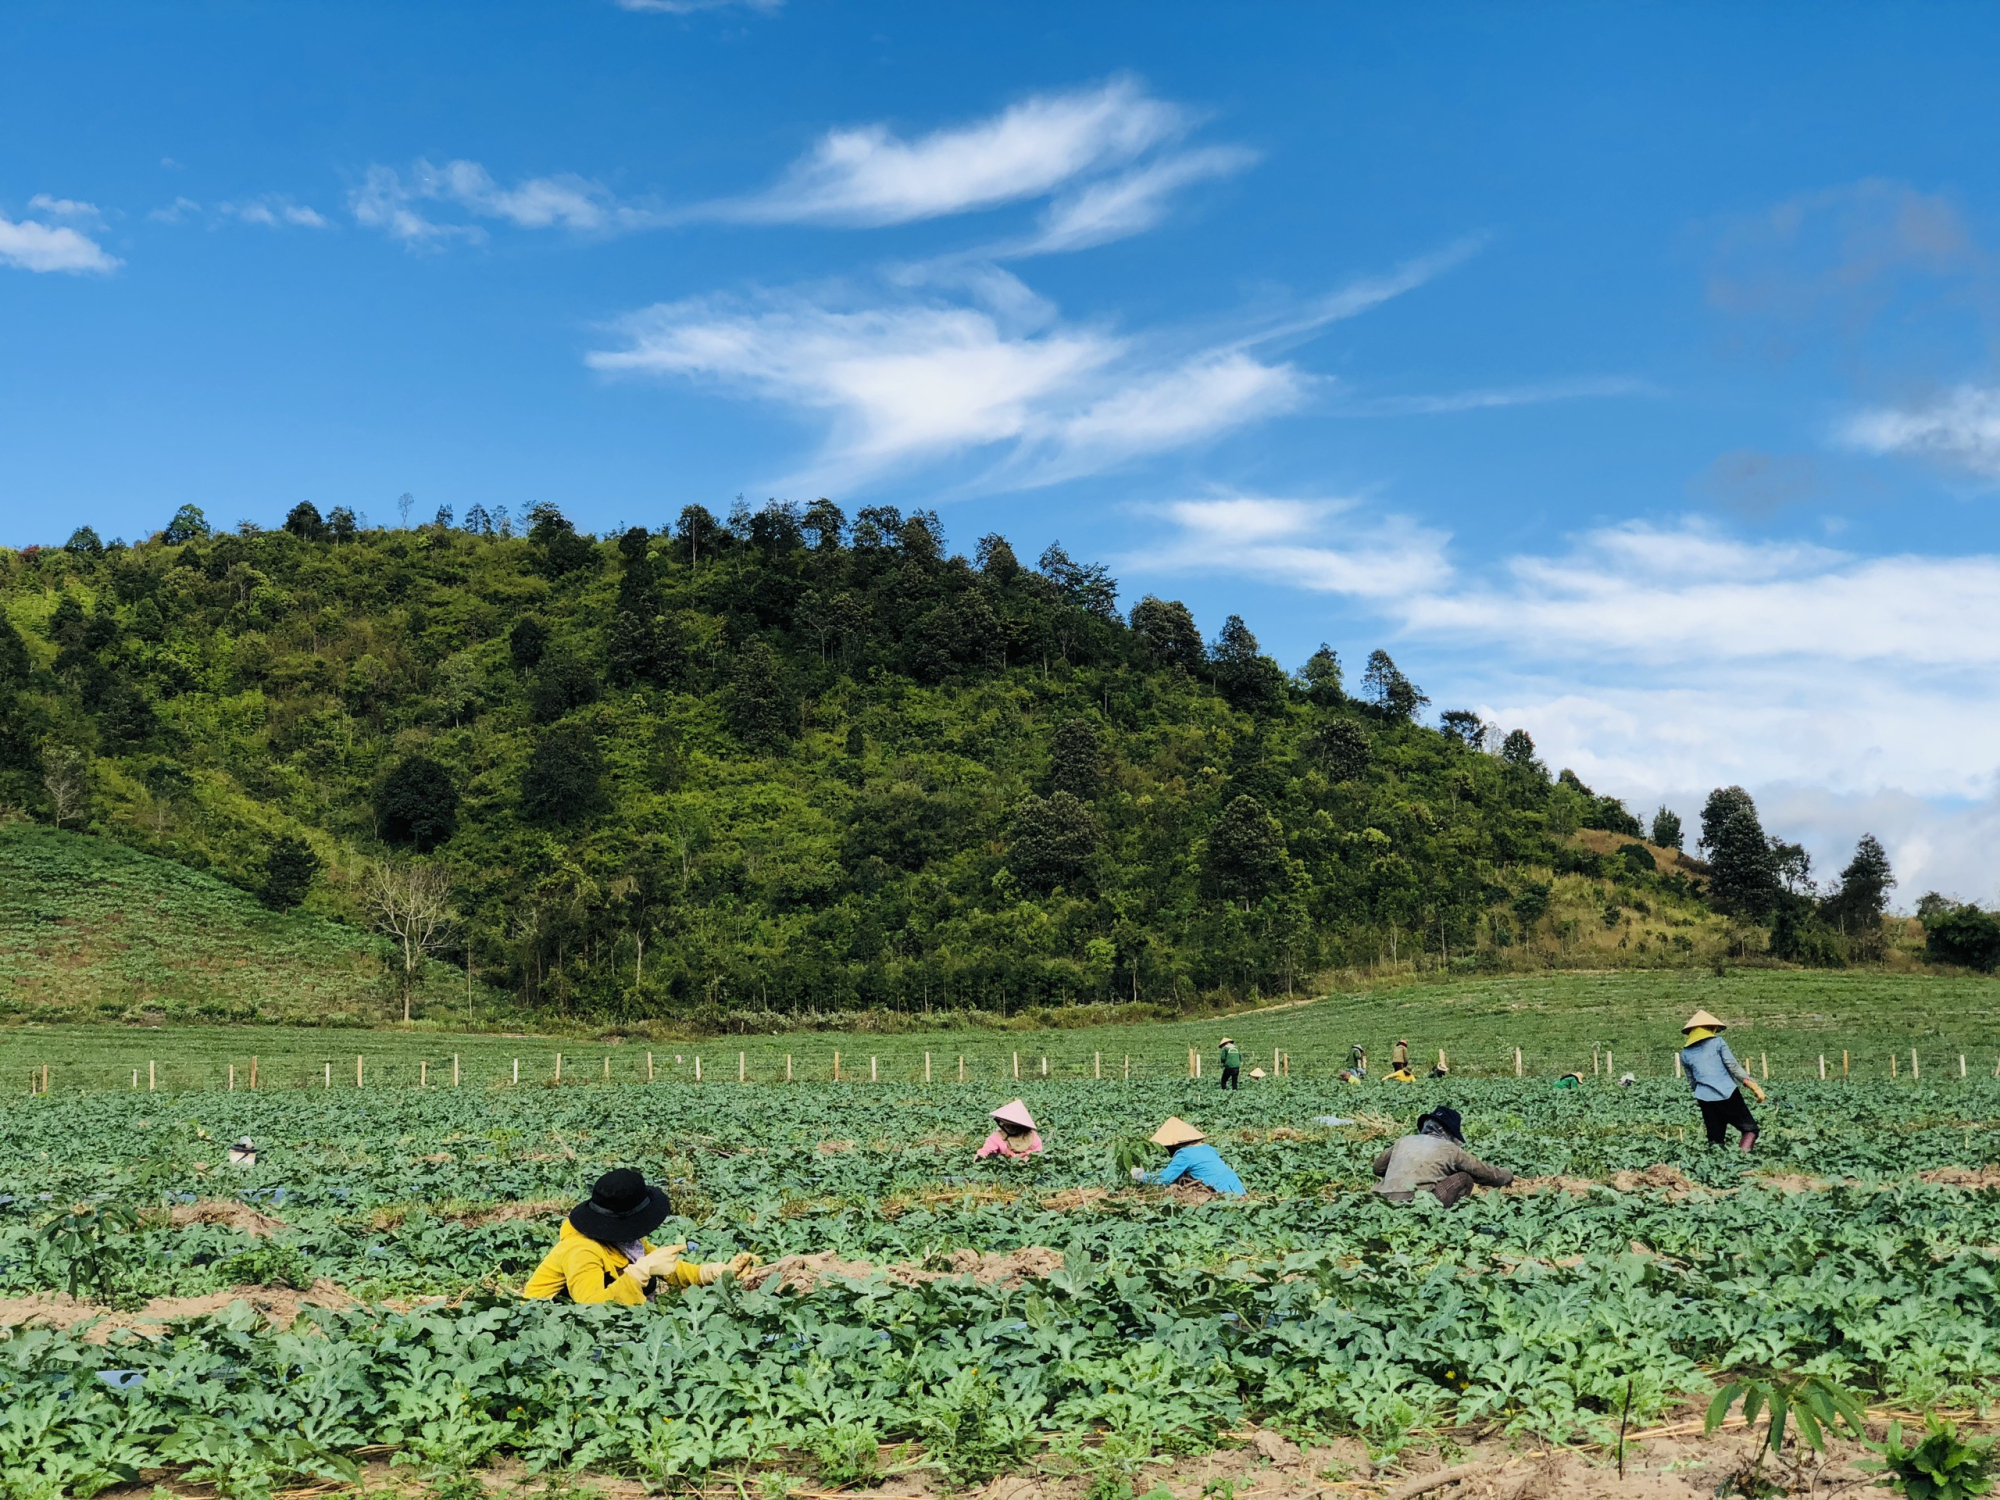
(1232,1064)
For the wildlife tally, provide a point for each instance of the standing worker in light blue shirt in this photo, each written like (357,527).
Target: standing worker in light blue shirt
(1714,1073)
(1190,1155)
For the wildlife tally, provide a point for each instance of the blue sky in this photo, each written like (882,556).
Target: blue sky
(1626,371)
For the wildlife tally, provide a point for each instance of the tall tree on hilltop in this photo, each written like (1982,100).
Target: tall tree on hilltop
(1857,903)
(1667,828)
(1250,680)
(1389,690)
(1743,881)
(1723,803)
(1319,679)
(1169,634)
(1076,761)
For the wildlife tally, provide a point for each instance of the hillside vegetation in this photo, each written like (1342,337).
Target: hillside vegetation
(792,764)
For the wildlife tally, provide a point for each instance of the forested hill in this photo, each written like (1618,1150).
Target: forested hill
(785,761)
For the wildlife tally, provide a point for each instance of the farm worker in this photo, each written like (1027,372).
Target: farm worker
(1189,1155)
(1015,1134)
(1434,1160)
(1232,1064)
(1713,1073)
(1402,1074)
(603,1254)
(1357,1060)
(243,1153)
(1570,1081)
(1401,1056)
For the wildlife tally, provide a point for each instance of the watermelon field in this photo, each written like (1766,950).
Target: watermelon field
(350,1300)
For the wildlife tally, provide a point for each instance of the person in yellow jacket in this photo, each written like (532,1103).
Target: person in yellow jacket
(603,1255)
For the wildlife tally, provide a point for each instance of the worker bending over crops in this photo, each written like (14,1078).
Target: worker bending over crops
(1014,1133)
(1435,1161)
(603,1254)
(1189,1155)
(1714,1073)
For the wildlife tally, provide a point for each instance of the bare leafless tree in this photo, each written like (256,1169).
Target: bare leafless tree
(412,904)
(66,778)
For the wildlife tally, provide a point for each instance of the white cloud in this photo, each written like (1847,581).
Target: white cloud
(1130,203)
(398,203)
(276,211)
(176,212)
(923,381)
(31,245)
(866,176)
(1498,397)
(66,208)
(1958,430)
(1318,545)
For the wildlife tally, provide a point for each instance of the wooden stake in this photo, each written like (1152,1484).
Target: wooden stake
(788,1067)
(329,1075)
(649,1068)
(836,1066)
(872,1075)
(1961,1065)
(1593,1059)
(1677,1065)
(135,1078)
(1765,1058)
(1892,1065)
(1197,1061)
(152,1077)
(697,1067)
(1843,1062)
(45,1077)
(1097,1065)
(607,1067)
(961,1067)
(1017,1067)
(1128,1067)
(558,1067)
(423,1073)
(253,1070)
(1045,1067)
(454,1070)
(1608,1068)
(357,1071)
(232,1078)
(1517,1062)
(1442,1068)
(1822,1067)
(1913,1062)
(517,1070)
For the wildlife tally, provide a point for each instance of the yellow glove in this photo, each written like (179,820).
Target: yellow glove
(655,1263)
(736,1265)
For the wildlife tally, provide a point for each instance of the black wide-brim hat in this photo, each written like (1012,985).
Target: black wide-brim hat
(1446,1118)
(622,1207)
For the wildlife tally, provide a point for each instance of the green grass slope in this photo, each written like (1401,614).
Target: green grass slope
(89,927)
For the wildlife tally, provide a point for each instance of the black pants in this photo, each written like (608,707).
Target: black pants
(1717,1115)
(1230,1078)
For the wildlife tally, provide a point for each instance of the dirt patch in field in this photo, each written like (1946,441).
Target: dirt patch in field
(1069,1200)
(279,1305)
(1660,1176)
(802,1273)
(832,1148)
(1528,1187)
(1962,1177)
(1790,1182)
(231,1212)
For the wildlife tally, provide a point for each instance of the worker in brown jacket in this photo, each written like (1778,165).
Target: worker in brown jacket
(1434,1160)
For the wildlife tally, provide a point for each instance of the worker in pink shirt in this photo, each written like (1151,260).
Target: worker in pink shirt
(1015,1135)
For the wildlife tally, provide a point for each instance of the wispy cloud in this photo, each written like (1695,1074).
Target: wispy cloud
(67,208)
(1109,151)
(1494,398)
(32,245)
(403,204)
(1958,431)
(1327,546)
(275,211)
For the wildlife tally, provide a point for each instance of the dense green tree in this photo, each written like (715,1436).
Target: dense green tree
(84,542)
(1246,852)
(1320,679)
(1076,761)
(1964,936)
(288,873)
(304,522)
(1723,803)
(188,525)
(1340,748)
(1857,903)
(758,706)
(1743,881)
(1250,680)
(559,549)
(563,683)
(1166,630)
(416,803)
(526,642)
(1667,828)
(564,779)
(1050,841)
(1464,726)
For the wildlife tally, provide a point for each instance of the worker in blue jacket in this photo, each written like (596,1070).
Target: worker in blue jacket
(1190,1155)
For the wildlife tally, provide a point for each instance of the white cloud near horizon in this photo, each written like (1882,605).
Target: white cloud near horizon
(400,203)
(32,245)
(1659,661)
(1108,155)
(1958,431)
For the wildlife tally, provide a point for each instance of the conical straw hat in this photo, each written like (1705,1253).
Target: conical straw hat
(1176,1132)
(1703,1018)
(1015,1112)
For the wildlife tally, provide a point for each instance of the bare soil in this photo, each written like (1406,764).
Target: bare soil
(279,1305)
(802,1273)
(232,1212)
